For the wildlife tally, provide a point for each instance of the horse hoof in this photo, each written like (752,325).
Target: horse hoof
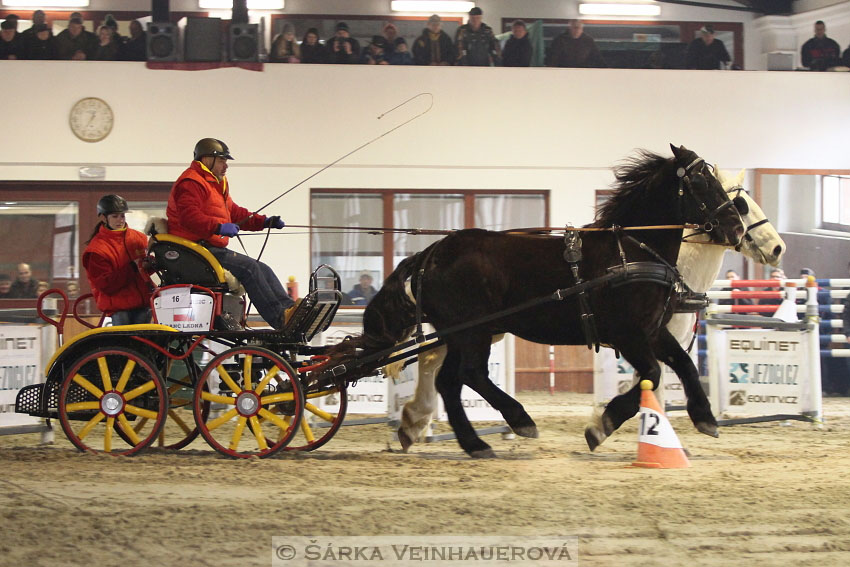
(487,453)
(708,429)
(529,431)
(593,437)
(405,440)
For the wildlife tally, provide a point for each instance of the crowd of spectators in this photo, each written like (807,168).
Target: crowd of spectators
(474,44)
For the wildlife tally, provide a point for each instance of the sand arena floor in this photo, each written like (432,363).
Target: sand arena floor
(769,494)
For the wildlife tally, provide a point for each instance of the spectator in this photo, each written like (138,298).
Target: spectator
(10,41)
(705,52)
(311,50)
(72,288)
(38,18)
(517,52)
(112,259)
(5,286)
(400,54)
(41,287)
(574,48)
(390,31)
(76,42)
(24,286)
(135,48)
(434,46)
(476,44)
(775,274)
(110,22)
(107,47)
(363,292)
(40,45)
(733,275)
(13,18)
(820,52)
(285,48)
(342,48)
(375,52)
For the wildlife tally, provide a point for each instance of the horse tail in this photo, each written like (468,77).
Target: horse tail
(388,319)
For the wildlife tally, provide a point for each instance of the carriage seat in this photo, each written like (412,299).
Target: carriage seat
(181,261)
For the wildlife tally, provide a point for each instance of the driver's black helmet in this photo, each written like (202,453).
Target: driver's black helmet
(110,204)
(211,147)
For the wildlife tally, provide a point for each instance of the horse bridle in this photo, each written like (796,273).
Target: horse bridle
(684,175)
(747,229)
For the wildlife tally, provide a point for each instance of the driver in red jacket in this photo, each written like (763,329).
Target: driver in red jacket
(200,209)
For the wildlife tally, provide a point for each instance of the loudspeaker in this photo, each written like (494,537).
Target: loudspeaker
(162,42)
(159,11)
(244,42)
(202,39)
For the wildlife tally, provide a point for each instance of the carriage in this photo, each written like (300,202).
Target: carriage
(197,369)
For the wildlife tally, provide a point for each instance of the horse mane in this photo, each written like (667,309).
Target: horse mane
(634,177)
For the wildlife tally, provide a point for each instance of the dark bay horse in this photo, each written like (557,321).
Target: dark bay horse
(473,273)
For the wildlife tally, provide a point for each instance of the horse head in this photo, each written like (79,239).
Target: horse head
(703,200)
(761,241)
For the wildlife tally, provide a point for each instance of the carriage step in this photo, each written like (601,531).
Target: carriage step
(28,400)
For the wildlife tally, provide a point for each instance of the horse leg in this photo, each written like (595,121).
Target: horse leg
(624,406)
(513,412)
(671,353)
(417,412)
(449,384)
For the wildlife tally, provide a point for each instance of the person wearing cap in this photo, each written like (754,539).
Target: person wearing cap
(40,45)
(200,209)
(475,42)
(11,46)
(574,48)
(518,51)
(390,33)
(76,42)
(38,18)
(107,46)
(112,258)
(820,52)
(434,46)
(342,48)
(285,48)
(135,47)
(363,292)
(5,286)
(400,55)
(376,52)
(706,52)
(312,51)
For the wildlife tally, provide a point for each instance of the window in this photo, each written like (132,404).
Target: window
(835,202)
(351,253)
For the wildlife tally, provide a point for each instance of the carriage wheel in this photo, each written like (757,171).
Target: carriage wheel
(327,418)
(105,394)
(257,402)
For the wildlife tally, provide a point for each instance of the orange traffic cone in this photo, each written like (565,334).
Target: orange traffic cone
(658,445)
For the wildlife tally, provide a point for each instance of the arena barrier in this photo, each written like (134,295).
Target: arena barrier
(764,368)
(23,351)
(379,399)
(613,375)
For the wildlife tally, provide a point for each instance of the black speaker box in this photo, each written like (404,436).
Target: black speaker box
(244,42)
(202,39)
(162,42)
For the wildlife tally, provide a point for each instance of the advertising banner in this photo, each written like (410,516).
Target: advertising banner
(613,375)
(20,365)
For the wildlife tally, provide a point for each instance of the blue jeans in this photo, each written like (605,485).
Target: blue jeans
(261,283)
(132,317)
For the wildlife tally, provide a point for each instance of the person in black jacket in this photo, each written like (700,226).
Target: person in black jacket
(311,50)
(820,52)
(10,41)
(706,52)
(342,48)
(574,48)
(135,48)
(434,46)
(517,52)
(40,45)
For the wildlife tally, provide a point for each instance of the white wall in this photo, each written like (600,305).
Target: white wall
(554,129)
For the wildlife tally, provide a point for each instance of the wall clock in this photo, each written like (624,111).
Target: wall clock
(91,119)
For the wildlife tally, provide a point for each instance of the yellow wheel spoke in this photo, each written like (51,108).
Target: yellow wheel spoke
(125,375)
(221,420)
(321,394)
(265,381)
(82,406)
(275,398)
(142,422)
(228,380)
(319,413)
(179,421)
(136,392)
(128,430)
(90,425)
(308,433)
(107,435)
(104,373)
(258,433)
(218,398)
(246,371)
(237,433)
(269,416)
(141,412)
(89,387)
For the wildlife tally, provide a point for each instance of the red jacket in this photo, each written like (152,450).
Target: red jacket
(198,203)
(116,282)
